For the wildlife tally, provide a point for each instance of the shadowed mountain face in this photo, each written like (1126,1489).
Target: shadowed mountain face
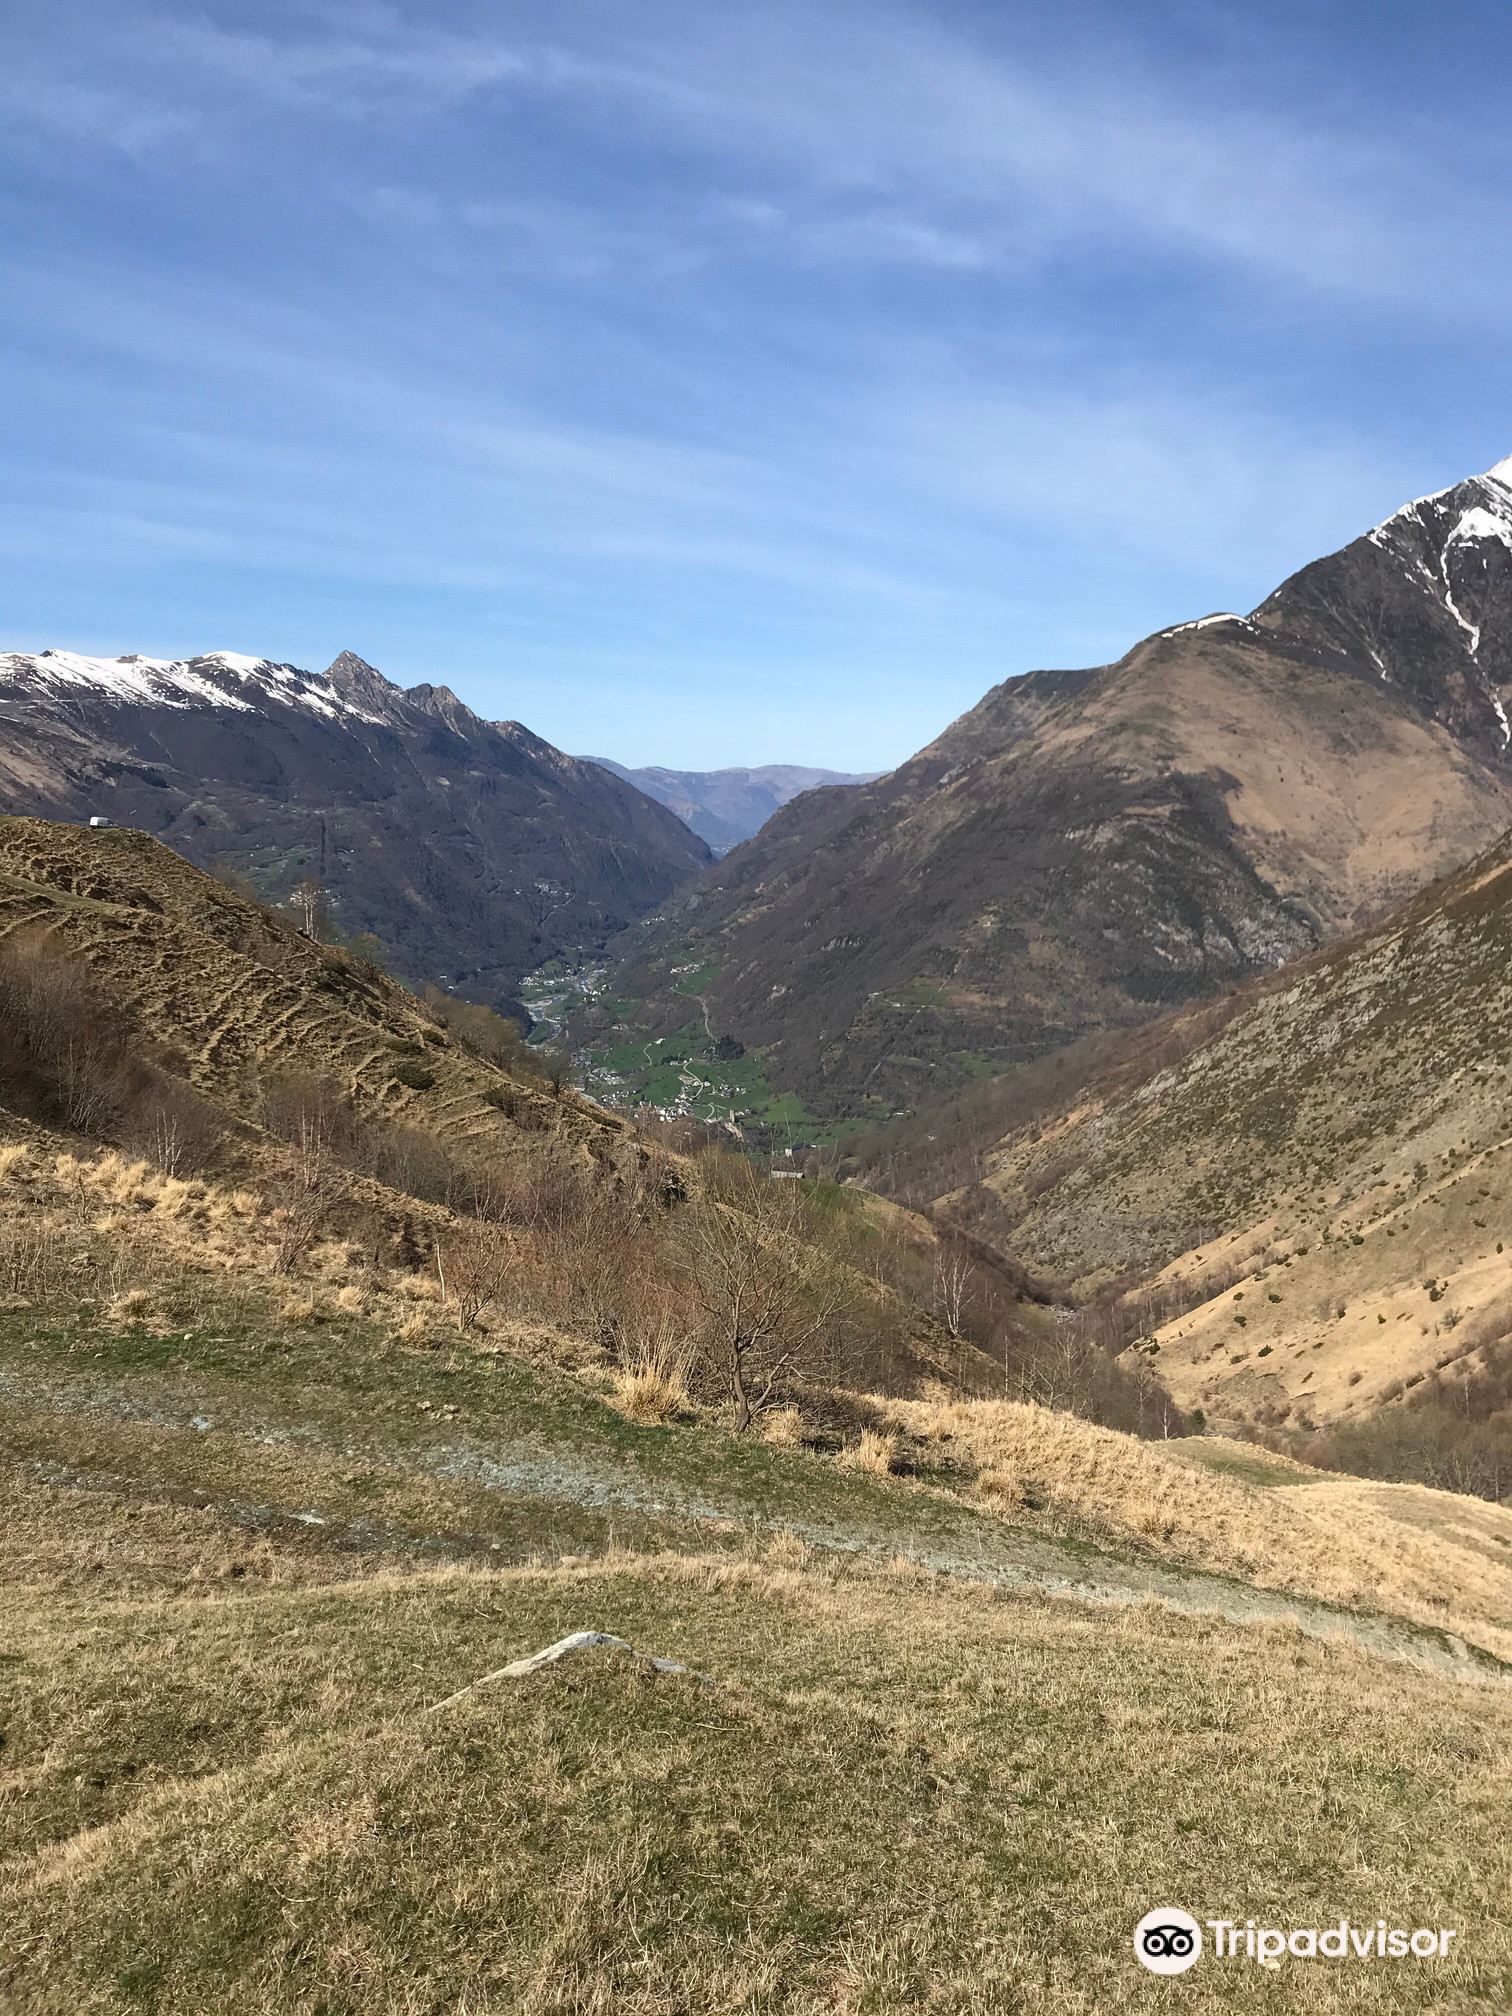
(1086,849)
(725,807)
(472,849)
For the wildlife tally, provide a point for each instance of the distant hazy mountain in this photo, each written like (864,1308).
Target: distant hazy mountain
(1086,849)
(471,848)
(725,807)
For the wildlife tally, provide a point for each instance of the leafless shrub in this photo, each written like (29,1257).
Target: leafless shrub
(767,1304)
(308,1111)
(170,1126)
(484,1032)
(65,1053)
(34,1262)
(301,1202)
(412,1160)
(474,1269)
(536,1192)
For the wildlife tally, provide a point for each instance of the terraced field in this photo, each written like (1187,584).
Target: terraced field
(234,994)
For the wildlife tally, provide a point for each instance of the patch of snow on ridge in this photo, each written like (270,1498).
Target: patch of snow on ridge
(1480,524)
(1499,475)
(311,690)
(1203,622)
(1416,539)
(1474,524)
(240,663)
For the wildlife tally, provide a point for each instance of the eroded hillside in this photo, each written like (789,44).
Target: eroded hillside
(233,992)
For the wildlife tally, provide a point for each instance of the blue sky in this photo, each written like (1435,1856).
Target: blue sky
(715,382)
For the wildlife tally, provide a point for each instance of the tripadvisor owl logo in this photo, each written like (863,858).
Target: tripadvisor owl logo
(1168,1940)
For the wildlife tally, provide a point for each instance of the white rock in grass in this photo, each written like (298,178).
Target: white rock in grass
(577,1641)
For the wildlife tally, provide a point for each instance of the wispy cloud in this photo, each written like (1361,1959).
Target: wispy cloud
(919,342)
(393,61)
(893,471)
(856,133)
(39,111)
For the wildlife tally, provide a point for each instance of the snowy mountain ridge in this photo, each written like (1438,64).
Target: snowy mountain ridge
(430,828)
(213,679)
(1428,535)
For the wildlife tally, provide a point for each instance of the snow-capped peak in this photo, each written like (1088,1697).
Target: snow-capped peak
(1453,547)
(229,679)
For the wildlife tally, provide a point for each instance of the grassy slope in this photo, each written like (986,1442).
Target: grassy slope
(898,1793)
(1333,1168)
(277,1546)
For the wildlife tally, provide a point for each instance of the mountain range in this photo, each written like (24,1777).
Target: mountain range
(1085,850)
(472,850)
(725,807)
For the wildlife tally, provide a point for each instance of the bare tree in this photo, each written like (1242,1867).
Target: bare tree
(767,1305)
(952,1280)
(473,1269)
(170,1125)
(302,1200)
(1061,1371)
(309,899)
(299,1217)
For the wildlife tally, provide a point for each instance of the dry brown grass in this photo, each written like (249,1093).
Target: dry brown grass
(1310,1201)
(653,1385)
(161,1249)
(131,1307)
(63,1540)
(648,1393)
(782,1427)
(1428,1555)
(897,1794)
(875,1452)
